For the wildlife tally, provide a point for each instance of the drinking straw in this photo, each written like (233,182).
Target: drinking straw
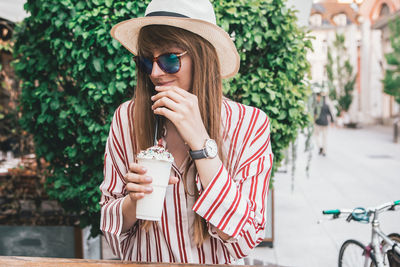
(156,131)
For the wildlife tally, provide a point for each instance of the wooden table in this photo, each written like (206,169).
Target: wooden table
(11,261)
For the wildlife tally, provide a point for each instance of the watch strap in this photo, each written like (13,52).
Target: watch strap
(198,154)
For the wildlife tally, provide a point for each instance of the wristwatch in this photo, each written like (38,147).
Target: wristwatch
(209,151)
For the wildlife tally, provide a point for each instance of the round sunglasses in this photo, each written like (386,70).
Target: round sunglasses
(169,62)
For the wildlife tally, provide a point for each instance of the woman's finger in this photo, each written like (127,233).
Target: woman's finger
(173,180)
(137,188)
(172,94)
(136,196)
(168,103)
(134,167)
(169,114)
(174,88)
(138,179)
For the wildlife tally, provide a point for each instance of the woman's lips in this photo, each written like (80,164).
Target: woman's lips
(164,83)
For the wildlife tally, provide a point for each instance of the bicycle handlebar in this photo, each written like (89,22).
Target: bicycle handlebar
(356,211)
(333,212)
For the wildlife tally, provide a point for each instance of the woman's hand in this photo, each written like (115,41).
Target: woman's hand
(138,183)
(182,109)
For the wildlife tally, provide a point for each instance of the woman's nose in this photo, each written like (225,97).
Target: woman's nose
(156,71)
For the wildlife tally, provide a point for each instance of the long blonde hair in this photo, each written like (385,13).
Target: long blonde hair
(206,85)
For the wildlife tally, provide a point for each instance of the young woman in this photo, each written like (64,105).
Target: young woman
(215,206)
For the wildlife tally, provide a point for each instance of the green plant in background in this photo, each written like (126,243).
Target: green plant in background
(273,65)
(341,79)
(74,76)
(391,81)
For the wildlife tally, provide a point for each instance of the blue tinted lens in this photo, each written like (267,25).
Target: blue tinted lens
(145,65)
(169,63)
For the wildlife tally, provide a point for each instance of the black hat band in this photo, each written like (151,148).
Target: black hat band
(166,14)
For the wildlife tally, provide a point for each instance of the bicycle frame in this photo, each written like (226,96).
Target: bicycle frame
(376,233)
(375,249)
(375,242)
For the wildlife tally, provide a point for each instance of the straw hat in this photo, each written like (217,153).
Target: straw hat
(196,16)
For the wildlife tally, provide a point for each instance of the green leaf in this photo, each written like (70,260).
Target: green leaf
(121,86)
(72,152)
(274,110)
(110,65)
(85,54)
(41,119)
(231,10)
(54,104)
(116,44)
(282,115)
(80,5)
(256,98)
(112,90)
(109,3)
(63,114)
(293,112)
(68,45)
(57,184)
(97,63)
(58,23)
(81,67)
(258,39)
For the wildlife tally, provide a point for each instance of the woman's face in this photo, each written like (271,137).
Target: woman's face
(181,79)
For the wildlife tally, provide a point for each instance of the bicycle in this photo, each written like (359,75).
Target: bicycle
(382,250)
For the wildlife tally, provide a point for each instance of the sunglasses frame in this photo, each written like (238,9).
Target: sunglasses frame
(155,59)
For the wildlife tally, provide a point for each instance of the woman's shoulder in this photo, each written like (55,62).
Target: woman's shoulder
(238,111)
(123,111)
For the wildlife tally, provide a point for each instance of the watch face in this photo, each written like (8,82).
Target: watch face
(211,148)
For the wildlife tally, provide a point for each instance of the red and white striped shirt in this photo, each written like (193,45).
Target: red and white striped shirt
(235,201)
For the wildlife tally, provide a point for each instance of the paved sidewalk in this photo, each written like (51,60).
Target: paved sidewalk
(362,168)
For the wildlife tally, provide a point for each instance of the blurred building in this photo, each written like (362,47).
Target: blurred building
(365,27)
(11,12)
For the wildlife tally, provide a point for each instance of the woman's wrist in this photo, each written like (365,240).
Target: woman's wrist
(198,142)
(128,213)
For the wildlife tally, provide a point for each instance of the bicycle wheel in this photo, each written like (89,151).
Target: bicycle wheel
(353,254)
(394,257)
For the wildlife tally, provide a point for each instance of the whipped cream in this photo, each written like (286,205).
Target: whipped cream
(157,153)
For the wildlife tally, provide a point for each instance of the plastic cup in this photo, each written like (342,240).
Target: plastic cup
(150,207)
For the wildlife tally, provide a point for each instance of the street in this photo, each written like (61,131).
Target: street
(361,169)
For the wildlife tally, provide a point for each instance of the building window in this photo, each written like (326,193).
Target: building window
(385,10)
(316,20)
(340,19)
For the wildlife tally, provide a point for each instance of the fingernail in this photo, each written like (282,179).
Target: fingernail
(149,189)
(144,169)
(148,179)
(152,98)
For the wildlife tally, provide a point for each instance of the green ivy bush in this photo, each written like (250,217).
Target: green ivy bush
(74,75)
(273,65)
(341,79)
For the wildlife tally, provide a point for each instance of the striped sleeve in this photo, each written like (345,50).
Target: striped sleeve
(236,203)
(116,158)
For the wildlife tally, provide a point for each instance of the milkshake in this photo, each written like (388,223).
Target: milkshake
(158,163)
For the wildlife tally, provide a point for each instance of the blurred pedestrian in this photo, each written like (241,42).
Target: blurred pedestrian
(322,113)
